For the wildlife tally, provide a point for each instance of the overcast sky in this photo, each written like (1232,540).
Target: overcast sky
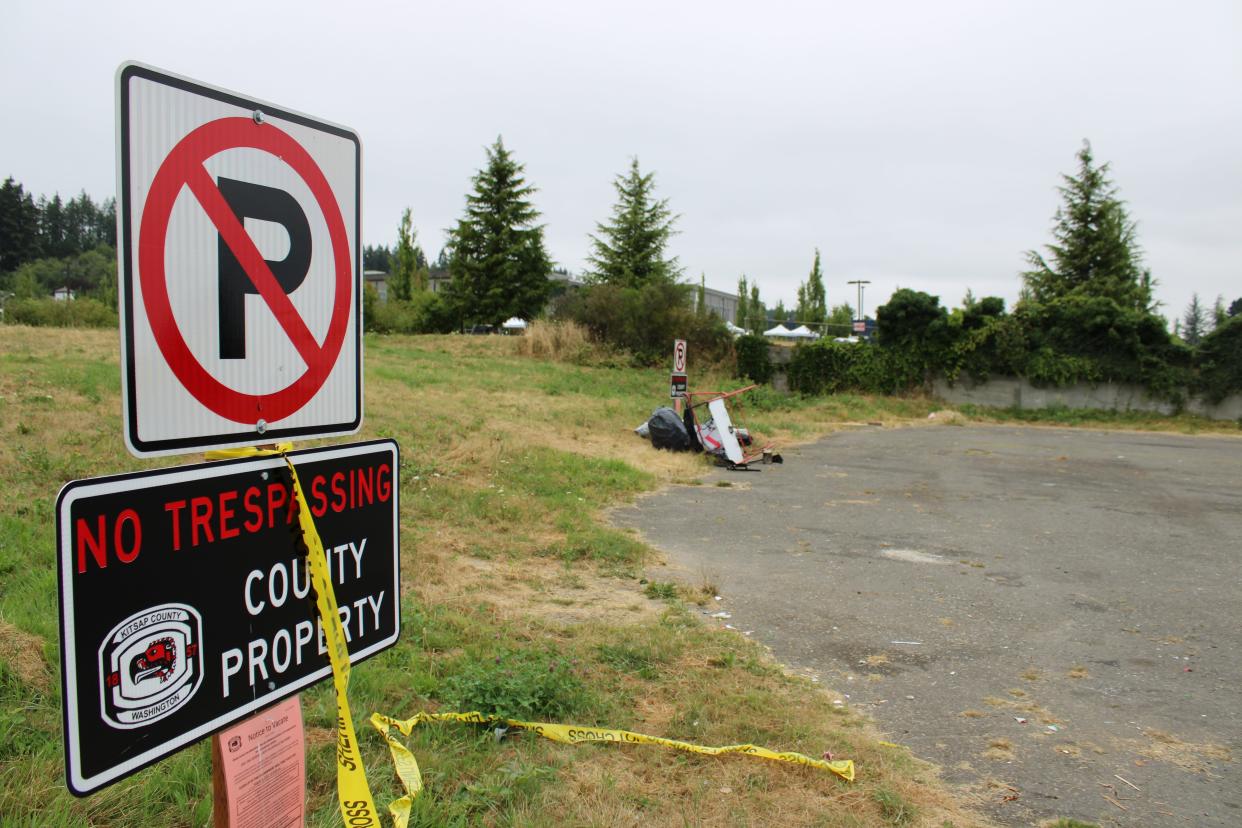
(915,144)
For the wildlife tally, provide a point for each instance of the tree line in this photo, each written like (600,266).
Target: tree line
(1086,310)
(1086,314)
(497,266)
(47,244)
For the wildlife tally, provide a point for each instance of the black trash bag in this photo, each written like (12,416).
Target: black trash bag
(692,433)
(667,430)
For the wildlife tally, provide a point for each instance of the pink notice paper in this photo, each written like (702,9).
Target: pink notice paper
(263,764)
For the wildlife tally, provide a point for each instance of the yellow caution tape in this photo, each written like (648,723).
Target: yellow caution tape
(411,779)
(354,794)
(357,805)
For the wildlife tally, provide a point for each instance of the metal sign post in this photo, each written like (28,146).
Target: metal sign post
(677,382)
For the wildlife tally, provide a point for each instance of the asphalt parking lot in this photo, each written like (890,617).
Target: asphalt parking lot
(1050,615)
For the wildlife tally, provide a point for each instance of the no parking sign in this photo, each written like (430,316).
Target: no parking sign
(239,226)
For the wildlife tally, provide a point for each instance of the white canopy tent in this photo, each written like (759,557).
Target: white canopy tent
(779,331)
(803,332)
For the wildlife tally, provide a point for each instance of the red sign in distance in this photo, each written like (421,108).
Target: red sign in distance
(184,168)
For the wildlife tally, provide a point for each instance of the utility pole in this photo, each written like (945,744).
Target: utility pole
(860,282)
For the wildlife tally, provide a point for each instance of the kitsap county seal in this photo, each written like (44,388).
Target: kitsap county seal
(150,665)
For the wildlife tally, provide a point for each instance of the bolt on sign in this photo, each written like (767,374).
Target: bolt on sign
(239,226)
(186,602)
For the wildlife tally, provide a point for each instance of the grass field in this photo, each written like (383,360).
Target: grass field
(518,599)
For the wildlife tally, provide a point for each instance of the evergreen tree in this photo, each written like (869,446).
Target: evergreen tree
(742,315)
(19,226)
(377,257)
(1219,315)
(779,313)
(53,235)
(629,250)
(1194,322)
(1235,308)
(81,224)
(497,259)
(700,304)
(1094,252)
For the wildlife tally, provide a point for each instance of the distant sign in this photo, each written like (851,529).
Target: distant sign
(186,601)
(860,326)
(679,356)
(239,260)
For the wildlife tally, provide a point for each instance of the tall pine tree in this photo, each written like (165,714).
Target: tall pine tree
(630,249)
(1194,322)
(497,260)
(19,226)
(1094,252)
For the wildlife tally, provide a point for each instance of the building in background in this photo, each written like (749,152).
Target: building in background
(718,302)
(377,279)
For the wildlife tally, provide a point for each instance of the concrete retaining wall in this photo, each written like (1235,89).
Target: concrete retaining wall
(1015,392)
(780,355)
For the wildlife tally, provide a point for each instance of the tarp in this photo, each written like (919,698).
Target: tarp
(514,324)
(734,329)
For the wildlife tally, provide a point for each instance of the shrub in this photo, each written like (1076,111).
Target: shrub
(1094,339)
(754,360)
(646,320)
(912,320)
(830,367)
(1219,360)
(424,312)
(47,312)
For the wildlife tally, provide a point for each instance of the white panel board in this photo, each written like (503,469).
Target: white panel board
(728,439)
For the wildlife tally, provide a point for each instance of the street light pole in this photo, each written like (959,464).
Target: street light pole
(860,283)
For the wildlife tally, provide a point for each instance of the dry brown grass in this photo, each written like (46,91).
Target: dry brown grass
(1188,756)
(23,652)
(457,439)
(999,750)
(1030,708)
(1078,672)
(561,341)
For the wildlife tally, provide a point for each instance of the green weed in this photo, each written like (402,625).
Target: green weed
(660,590)
(894,808)
(520,684)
